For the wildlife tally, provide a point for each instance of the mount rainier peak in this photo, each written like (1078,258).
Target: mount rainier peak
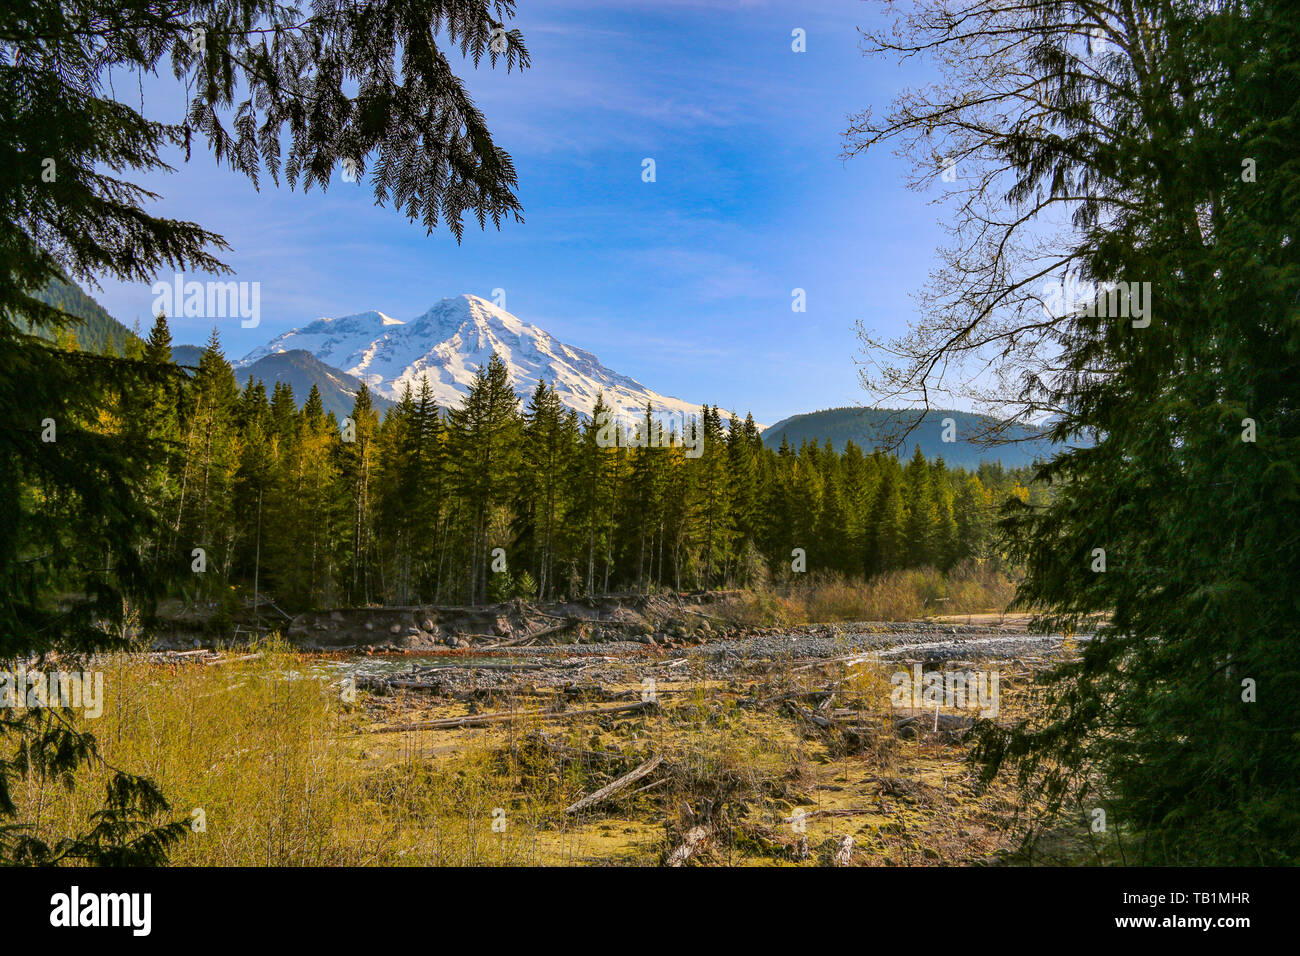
(450,342)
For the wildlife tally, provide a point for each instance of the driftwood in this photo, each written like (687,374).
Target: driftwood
(905,725)
(851,661)
(694,839)
(844,853)
(849,713)
(480,720)
(658,692)
(951,724)
(573,619)
(288,617)
(845,812)
(605,792)
(554,629)
(554,617)
(413,685)
(529,638)
(171,657)
(484,666)
(813,695)
(231,660)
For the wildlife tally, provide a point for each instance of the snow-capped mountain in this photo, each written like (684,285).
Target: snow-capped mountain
(448,344)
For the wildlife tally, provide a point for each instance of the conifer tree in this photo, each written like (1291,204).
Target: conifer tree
(483,455)
(713,486)
(395,468)
(258,460)
(205,517)
(646,500)
(307,512)
(743,448)
(971,515)
(357,456)
(947,537)
(424,486)
(805,496)
(284,411)
(591,478)
(542,484)
(158,418)
(887,534)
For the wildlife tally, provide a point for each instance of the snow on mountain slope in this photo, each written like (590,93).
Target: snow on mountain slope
(450,342)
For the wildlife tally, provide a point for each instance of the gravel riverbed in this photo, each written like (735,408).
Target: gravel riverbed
(614,661)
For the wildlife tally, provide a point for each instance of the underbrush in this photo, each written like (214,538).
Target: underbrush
(263,760)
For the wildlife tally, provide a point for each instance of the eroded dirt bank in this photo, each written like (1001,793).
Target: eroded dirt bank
(662,620)
(617,624)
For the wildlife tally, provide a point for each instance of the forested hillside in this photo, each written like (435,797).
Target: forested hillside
(411,508)
(94,329)
(869,428)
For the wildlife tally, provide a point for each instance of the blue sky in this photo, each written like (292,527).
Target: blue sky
(684,283)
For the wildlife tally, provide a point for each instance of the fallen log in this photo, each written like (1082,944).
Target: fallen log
(953,724)
(480,720)
(658,692)
(484,666)
(650,786)
(528,638)
(605,792)
(415,685)
(538,612)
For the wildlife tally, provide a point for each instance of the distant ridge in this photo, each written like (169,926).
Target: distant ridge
(870,428)
(187,356)
(300,370)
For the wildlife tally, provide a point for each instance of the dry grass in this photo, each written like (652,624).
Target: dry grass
(970,588)
(266,752)
(286,774)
